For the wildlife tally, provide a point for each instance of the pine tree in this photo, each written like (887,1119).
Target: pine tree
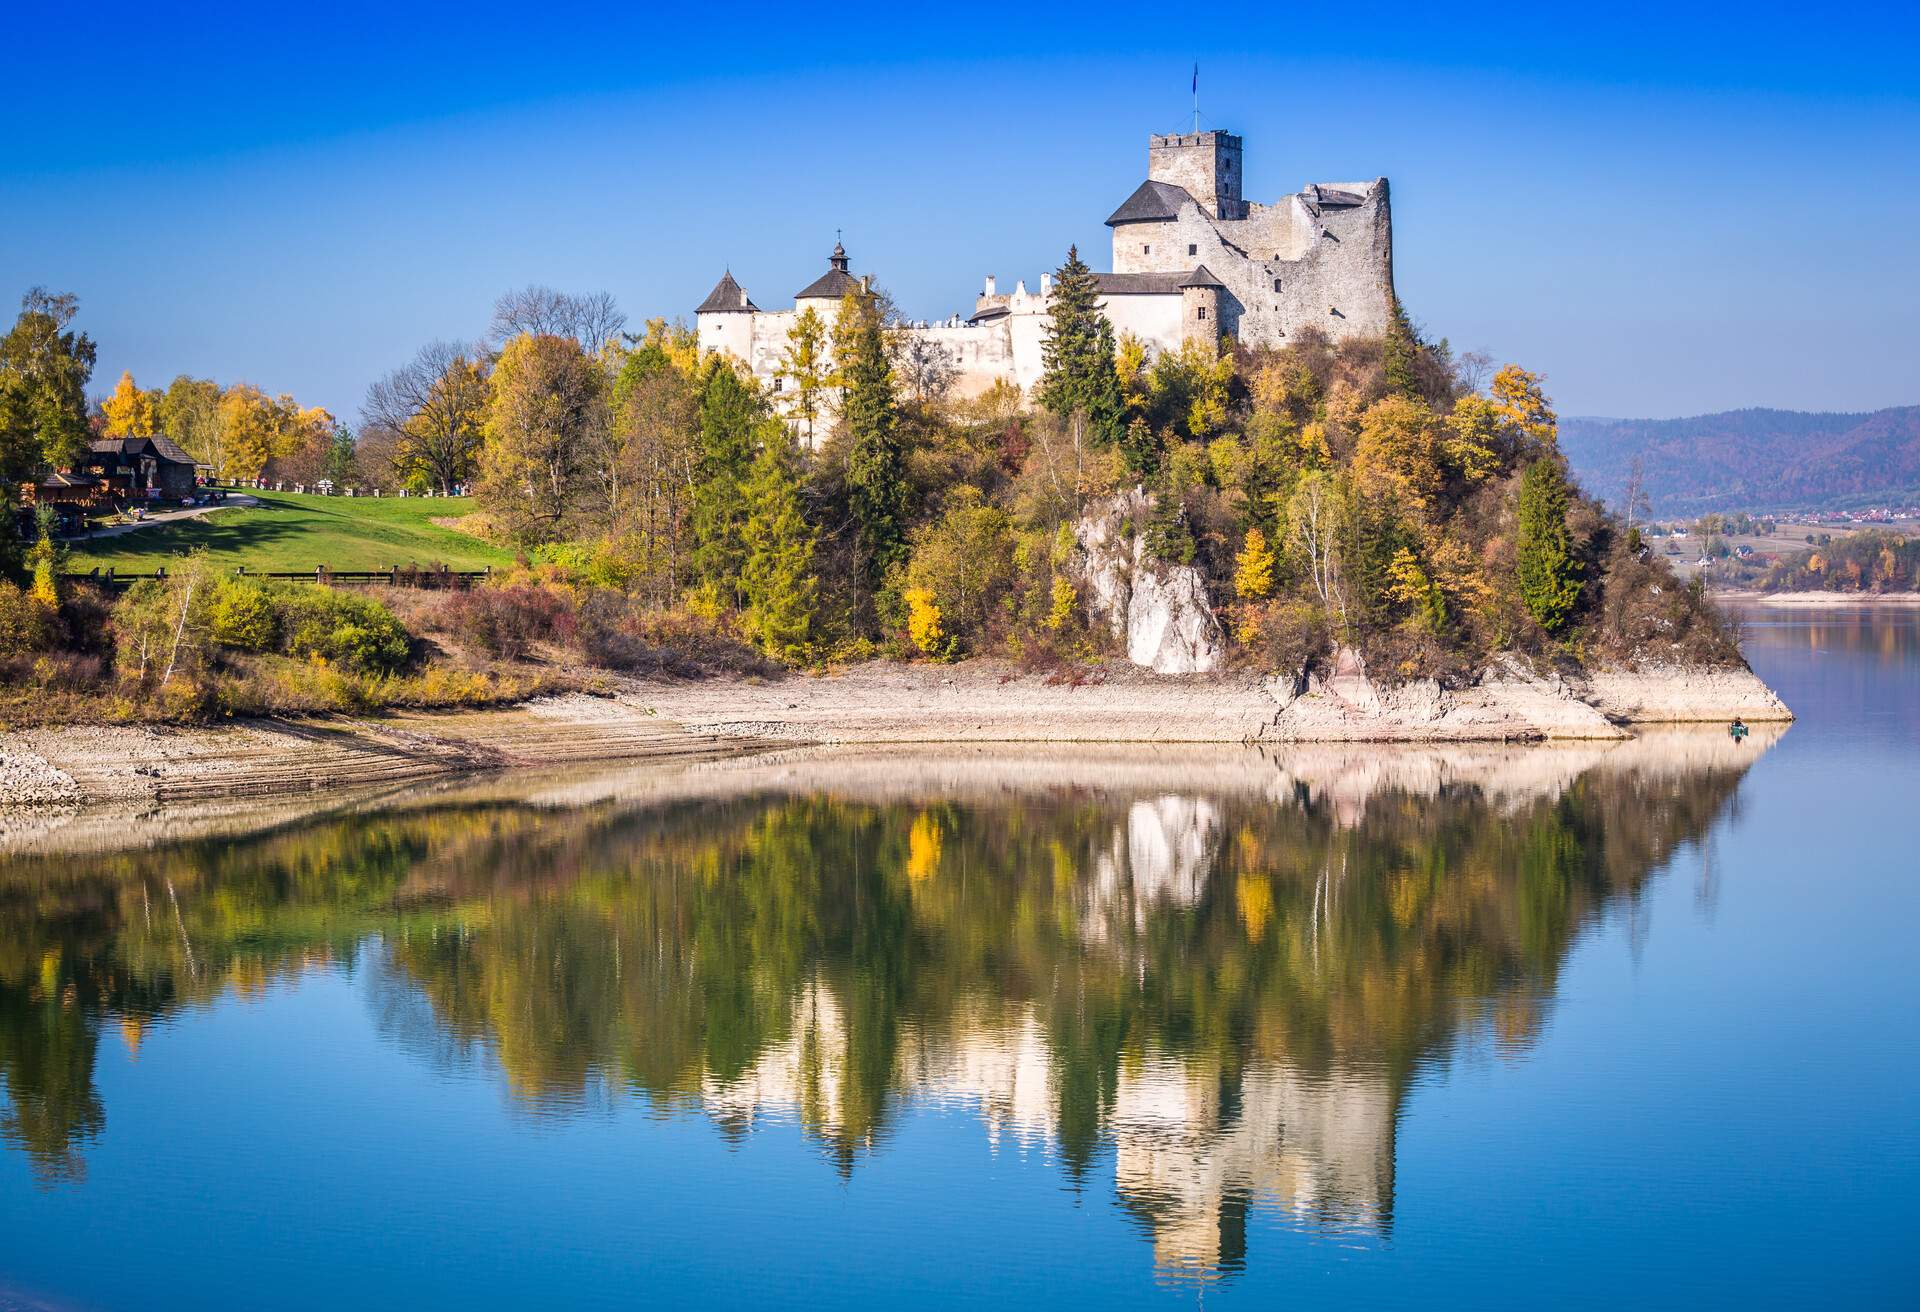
(1548,571)
(876,474)
(1400,352)
(777,580)
(1079,354)
(729,411)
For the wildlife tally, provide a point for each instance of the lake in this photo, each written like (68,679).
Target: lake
(1472,1026)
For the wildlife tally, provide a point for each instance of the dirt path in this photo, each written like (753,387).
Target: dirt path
(168,517)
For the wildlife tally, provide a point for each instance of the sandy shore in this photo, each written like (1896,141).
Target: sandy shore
(879,703)
(1345,777)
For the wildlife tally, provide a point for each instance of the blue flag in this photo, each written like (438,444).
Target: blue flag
(1196,79)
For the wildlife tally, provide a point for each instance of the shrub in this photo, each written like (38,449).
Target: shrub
(244,615)
(26,622)
(506,621)
(357,632)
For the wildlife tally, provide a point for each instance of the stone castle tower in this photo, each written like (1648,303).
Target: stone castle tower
(1193,260)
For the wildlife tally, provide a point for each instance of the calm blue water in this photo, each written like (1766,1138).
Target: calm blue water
(1485,1027)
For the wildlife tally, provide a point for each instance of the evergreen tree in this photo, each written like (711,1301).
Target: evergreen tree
(1079,354)
(1400,353)
(777,581)
(1548,570)
(730,409)
(876,473)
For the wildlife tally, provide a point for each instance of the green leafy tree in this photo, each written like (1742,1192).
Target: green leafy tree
(876,462)
(1079,354)
(730,410)
(189,413)
(44,368)
(1548,569)
(777,580)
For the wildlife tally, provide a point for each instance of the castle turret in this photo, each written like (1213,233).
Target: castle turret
(724,320)
(823,294)
(1206,165)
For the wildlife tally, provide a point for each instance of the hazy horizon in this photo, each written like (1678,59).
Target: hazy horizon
(1666,216)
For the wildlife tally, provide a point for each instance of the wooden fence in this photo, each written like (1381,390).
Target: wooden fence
(397,576)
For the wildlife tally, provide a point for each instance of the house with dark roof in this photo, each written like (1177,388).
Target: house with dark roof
(138,468)
(1192,260)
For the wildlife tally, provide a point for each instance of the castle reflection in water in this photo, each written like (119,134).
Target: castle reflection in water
(1209,978)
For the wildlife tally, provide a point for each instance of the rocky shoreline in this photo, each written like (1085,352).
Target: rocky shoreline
(876,703)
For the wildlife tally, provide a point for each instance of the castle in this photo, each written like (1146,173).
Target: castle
(1192,260)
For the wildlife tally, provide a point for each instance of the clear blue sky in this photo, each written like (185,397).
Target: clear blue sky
(1666,209)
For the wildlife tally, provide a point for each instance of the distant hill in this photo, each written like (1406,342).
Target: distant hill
(1753,459)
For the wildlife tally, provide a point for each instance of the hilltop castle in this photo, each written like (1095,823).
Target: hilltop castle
(1192,259)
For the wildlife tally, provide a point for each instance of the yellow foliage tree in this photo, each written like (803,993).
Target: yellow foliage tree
(1521,402)
(248,429)
(923,621)
(130,410)
(1253,567)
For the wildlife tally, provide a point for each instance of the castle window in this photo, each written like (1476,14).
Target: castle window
(1192,249)
(779,383)
(1200,313)
(1146,250)
(1276,284)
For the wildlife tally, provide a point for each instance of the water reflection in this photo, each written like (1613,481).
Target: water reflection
(1205,981)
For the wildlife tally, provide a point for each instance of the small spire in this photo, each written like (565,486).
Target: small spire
(839,257)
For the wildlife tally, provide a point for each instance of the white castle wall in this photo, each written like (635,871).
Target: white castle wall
(1284,268)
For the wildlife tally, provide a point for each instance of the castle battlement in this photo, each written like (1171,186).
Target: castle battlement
(1192,260)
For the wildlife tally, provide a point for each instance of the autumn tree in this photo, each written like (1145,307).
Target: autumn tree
(647,463)
(966,561)
(429,414)
(131,411)
(876,475)
(777,583)
(546,402)
(808,367)
(1546,567)
(247,431)
(1253,567)
(44,368)
(1078,354)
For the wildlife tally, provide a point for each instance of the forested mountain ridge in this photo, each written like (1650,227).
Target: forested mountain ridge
(1753,459)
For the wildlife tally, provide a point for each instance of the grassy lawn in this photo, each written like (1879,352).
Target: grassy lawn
(289,531)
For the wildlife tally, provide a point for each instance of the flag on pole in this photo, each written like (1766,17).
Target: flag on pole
(1196,79)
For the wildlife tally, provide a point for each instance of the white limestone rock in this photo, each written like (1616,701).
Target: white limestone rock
(1159,610)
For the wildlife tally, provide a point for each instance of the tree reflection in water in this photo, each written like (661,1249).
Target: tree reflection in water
(1214,979)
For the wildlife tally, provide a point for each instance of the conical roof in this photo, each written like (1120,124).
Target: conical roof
(727,297)
(834,283)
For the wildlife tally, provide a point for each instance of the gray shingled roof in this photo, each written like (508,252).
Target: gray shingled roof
(727,297)
(1201,277)
(164,447)
(1140,284)
(834,284)
(1151,202)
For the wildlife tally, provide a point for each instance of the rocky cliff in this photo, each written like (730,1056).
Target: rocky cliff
(1158,610)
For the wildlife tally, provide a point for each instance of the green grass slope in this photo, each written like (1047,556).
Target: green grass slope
(289,531)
